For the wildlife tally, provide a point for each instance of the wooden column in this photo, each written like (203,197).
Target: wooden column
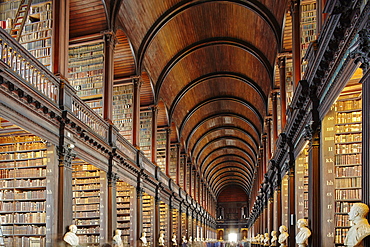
(185,173)
(278,217)
(178,157)
(296,42)
(136,111)
(112,205)
(190,179)
(282,77)
(274,118)
(139,213)
(66,155)
(366,144)
(265,156)
(168,235)
(314,216)
(291,207)
(109,45)
(156,219)
(269,144)
(168,149)
(154,134)
(60,38)
(270,219)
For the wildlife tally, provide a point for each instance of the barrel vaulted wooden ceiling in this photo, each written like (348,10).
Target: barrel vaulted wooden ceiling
(209,65)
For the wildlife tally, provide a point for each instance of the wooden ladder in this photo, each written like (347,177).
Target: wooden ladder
(20,19)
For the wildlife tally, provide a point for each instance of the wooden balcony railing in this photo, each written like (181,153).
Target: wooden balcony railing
(28,68)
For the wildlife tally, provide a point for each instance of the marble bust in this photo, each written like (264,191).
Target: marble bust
(143,239)
(70,237)
(161,240)
(184,241)
(117,239)
(174,241)
(283,237)
(360,228)
(273,238)
(303,234)
(266,240)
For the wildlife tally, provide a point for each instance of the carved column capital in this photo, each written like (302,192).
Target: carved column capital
(136,80)
(360,51)
(110,38)
(66,155)
(112,179)
(281,62)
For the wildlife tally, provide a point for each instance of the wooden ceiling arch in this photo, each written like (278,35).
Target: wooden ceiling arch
(234,165)
(254,5)
(209,66)
(227,180)
(198,154)
(229,175)
(207,168)
(230,130)
(225,184)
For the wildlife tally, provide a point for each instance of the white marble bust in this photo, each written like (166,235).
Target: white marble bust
(117,239)
(266,240)
(70,237)
(283,237)
(174,241)
(304,233)
(143,239)
(161,240)
(361,227)
(273,238)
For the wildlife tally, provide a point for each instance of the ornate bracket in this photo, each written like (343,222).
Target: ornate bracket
(66,155)
(360,51)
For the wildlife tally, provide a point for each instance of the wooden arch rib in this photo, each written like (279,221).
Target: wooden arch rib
(228,182)
(206,77)
(221,138)
(215,171)
(225,147)
(210,42)
(254,5)
(234,115)
(223,98)
(230,174)
(232,157)
(219,128)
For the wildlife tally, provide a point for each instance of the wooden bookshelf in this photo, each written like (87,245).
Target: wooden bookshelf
(122,109)
(182,166)
(173,163)
(161,150)
(175,223)
(163,219)
(23,189)
(85,72)
(308,27)
(348,167)
(37,33)
(124,199)
(86,186)
(148,217)
(289,80)
(284,200)
(146,132)
(301,178)
(183,226)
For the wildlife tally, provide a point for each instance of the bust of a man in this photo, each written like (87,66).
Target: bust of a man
(266,240)
(117,238)
(174,241)
(273,238)
(283,237)
(143,239)
(161,239)
(70,237)
(360,228)
(303,234)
